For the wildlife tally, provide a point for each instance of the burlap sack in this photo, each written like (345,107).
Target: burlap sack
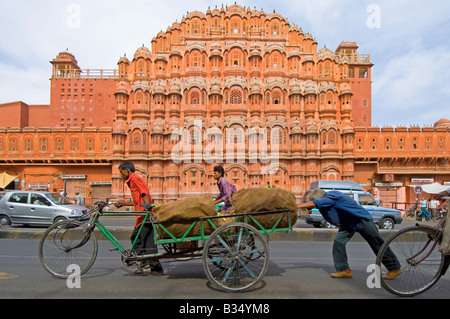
(265,199)
(444,247)
(173,214)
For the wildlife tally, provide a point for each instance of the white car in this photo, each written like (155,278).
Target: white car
(37,207)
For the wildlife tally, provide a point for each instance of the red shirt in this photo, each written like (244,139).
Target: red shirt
(138,189)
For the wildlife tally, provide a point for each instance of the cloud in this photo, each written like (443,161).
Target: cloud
(323,19)
(412,87)
(36,88)
(412,63)
(409,79)
(409,49)
(97,32)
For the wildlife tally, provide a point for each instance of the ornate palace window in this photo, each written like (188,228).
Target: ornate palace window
(194,134)
(28,145)
(90,145)
(13,145)
(329,98)
(275,30)
(331,137)
(195,27)
(235,58)
(363,73)
(139,98)
(105,144)
(327,69)
(195,98)
(351,72)
(59,144)
(141,67)
(74,144)
(276,98)
(373,144)
(235,97)
(235,135)
(323,137)
(196,59)
(235,28)
(136,139)
(277,135)
(43,144)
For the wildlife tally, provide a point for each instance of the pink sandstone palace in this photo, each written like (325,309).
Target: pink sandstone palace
(233,86)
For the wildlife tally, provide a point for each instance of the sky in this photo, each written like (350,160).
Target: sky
(408,42)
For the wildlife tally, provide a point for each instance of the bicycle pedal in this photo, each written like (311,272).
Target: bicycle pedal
(114,249)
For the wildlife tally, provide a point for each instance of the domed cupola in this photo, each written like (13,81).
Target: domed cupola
(442,123)
(142,52)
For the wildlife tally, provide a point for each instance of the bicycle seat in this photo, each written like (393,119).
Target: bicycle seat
(147,206)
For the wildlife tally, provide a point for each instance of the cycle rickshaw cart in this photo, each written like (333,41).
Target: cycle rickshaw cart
(235,255)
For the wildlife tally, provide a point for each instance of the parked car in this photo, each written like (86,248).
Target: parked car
(37,207)
(383,217)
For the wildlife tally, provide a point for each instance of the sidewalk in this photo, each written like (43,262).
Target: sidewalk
(124,233)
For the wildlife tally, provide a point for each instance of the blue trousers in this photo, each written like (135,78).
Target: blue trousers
(370,233)
(424,213)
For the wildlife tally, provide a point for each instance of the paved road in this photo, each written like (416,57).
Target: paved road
(297,270)
(122,227)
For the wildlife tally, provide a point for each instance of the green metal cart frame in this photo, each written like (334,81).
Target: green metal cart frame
(235,254)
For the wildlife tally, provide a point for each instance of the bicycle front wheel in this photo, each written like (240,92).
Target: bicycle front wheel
(67,243)
(416,251)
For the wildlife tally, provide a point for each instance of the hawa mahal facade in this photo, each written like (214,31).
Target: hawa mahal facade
(233,86)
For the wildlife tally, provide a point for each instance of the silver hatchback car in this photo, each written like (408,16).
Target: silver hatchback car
(36,207)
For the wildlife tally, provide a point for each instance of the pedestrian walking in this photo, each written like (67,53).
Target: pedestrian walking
(423,210)
(432,206)
(79,199)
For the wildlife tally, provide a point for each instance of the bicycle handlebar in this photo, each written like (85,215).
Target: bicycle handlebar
(149,206)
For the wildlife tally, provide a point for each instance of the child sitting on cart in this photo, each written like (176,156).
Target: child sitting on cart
(226,189)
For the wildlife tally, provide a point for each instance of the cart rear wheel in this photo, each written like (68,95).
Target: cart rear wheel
(235,257)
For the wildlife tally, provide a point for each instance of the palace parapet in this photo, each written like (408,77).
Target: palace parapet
(408,150)
(55,145)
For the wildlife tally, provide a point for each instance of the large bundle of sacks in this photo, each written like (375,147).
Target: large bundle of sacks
(173,215)
(262,200)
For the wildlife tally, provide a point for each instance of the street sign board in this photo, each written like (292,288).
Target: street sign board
(418,189)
